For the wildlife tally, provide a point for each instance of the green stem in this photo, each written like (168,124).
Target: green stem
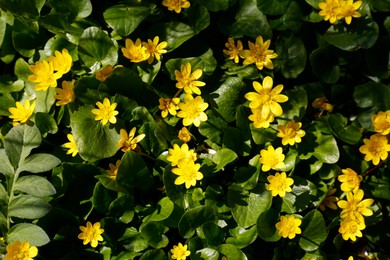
(10,187)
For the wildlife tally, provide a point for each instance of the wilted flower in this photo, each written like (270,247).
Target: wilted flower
(168,105)
(288,226)
(376,148)
(112,172)
(104,73)
(91,234)
(184,135)
(233,50)
(129,142)
(259,54)
(65,95)
(279,184)
(105,111)
(329,200)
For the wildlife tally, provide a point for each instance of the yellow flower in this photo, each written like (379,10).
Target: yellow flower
(129,142)
(176,5)
(291,133)
(91,234)
(154,48)
(62,62)
(266,97)
(43,74)
(233,50)
(376,148)
(192,110)
(20,251)
(381,122)
(178,154)
(21,113)
(104,73)
(329,10)
(350,180)
(354,206)
(184,135)
(65,95)
(258,120)
(188,172)
(105,111)
(259,54)
(288,226)
(71,145)
(112,172)
(271,158)
(135,52)
(351,228)
(347,10)
(329,200)
(279,184)
(168,105)
(187,80)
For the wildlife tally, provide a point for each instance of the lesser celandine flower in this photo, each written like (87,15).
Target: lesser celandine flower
(233,50)
(112,172)
(181,154)
(184,135)
(105,112)
(192,110)
(20,251)
(154,48)
(188,172)
(62,61)
(176,5)
(266,97)
(65,95)
(376,148)
(350,228)
(258,120)
(288,226)
(71,145)
(279,184)
(168,105)
(328,10)
(355,206)
(91,234)
(187,80)
(135,51)
(180,252)
(271,158)
(129,142)
(350,180)
(104,73)
(259,54)
(381,122)
(291,133)
(329,200)
(43,75)
(347,9)
(21,113)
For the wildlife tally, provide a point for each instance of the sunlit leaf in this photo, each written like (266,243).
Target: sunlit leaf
(28,207)
(35,185)
(194,218)
(34,234)
(314,231)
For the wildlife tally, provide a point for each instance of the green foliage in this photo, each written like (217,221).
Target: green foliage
(336,77)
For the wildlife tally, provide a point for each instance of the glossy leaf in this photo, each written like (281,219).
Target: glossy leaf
(231,252)
(34,234)
(326,149)
(34,185)
(194,218)
(164,209)
(266,225)
(241,237)
(156,254)
(174,32)
(271,7)
(301,197)
(348,133)
(314,231)
(214,6)
(153,232)
(324,66)
(295,107)
(46,123)
(78,8)
(206,253)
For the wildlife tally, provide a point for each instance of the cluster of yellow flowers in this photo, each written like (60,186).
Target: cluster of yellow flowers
(141,51)
(334,10)
(183,159)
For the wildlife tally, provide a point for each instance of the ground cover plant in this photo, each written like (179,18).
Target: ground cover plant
(175,129)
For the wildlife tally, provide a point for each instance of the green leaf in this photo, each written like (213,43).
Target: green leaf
(296,105)
(198,18)
(381,5)
(361,33)
(5,165)
(77,8)
(25,38)
(262,135)
(301,197)
(44,100)
(222,158)
(40,162)
(101,198)
(194,218)
(326,149)
(124,19)
(213,233)
(273,7)
(46,123)
(372,94)
(266,225)
(214,6)
(380,187)
(241,237)
(206,253)
(96,49)
(154,140)
(153,232)
(35,185)
(155,254)
(28,207)
(248,177)
(324,65)
(228,97)
(350,134)
(246,206)
(134,242)
(19,142)
(291,54)
(6,101)
(133,172)
(314,231)
(8,85)
(23,8)
(175,33)
(290,20)
(94,141)
(34,234)
(231,252)
(164,209)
